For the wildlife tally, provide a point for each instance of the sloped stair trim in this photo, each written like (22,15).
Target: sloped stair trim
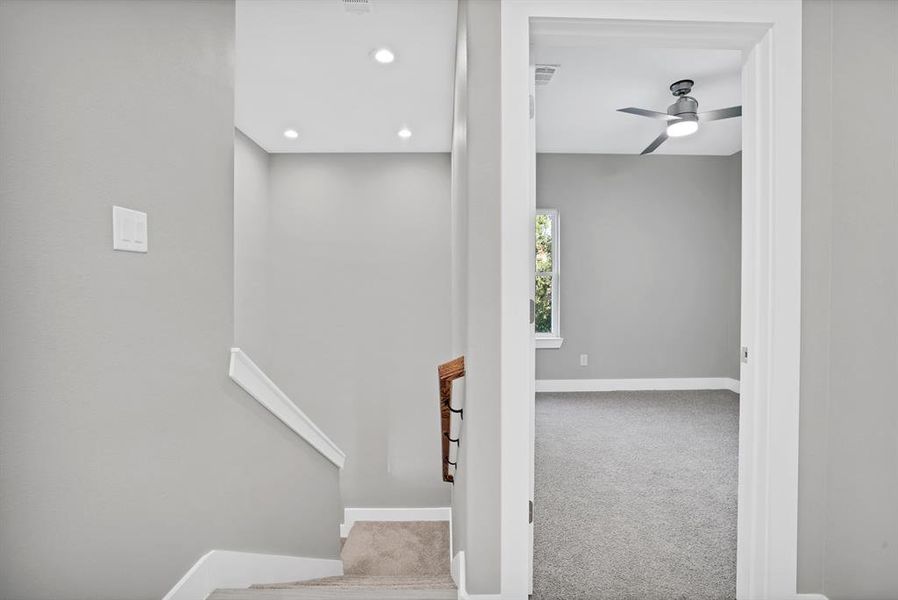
(257,384)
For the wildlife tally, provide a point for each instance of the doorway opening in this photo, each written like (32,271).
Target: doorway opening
(770,266)
(637,317)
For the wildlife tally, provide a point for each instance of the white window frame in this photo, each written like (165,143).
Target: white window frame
(552,339)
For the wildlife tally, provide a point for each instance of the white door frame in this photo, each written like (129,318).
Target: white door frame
(769,33)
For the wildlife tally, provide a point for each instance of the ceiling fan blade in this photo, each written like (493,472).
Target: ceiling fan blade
(642,112)
(654,145)
(720,113)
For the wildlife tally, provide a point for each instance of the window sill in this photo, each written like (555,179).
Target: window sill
(548,342)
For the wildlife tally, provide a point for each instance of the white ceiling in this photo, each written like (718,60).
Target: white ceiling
(307,65)
(577,111)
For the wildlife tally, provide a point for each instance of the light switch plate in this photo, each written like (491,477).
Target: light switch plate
(129,230)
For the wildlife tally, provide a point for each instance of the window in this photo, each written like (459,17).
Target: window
(548,333)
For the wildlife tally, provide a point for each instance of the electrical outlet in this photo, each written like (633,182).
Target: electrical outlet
(584,360)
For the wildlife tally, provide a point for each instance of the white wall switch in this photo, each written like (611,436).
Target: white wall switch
(129,230)
(584,360)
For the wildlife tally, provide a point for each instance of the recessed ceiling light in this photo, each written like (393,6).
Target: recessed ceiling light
(404,133)
(384,56)
(291,134)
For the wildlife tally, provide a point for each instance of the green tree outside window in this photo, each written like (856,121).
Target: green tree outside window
(544,272)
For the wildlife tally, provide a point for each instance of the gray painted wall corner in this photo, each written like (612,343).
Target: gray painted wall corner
(459,257)
(481,180)
(343,291)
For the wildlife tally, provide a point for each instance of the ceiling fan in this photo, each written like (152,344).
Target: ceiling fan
(681,116)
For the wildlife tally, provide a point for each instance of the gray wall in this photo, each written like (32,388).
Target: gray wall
(650,265)
(352,314)
(476,495)
(849,481)
(252,318)
(126,453)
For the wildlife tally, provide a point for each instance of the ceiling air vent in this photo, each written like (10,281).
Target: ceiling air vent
(358,7)
(545,73)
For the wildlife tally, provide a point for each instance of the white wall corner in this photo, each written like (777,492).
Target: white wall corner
(228,569)
(458,571)
(615,385)
(257,384)
(351,515)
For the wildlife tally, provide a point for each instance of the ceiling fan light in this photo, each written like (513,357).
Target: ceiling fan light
(682,127)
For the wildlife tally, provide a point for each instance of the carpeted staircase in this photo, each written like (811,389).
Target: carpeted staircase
(381,561)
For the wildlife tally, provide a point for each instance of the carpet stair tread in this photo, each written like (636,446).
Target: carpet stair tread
(382,560)
(333,593)
(352,581)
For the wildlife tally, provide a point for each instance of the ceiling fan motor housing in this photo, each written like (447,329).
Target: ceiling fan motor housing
(684,107)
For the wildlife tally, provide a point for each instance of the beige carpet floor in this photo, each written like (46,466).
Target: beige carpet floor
(416,548)
(381,561)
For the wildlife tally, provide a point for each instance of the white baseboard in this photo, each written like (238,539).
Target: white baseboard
(455,569)
(351,515)
(458,570)
(614,385)
(257,384)
(813,596)
(226,569)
